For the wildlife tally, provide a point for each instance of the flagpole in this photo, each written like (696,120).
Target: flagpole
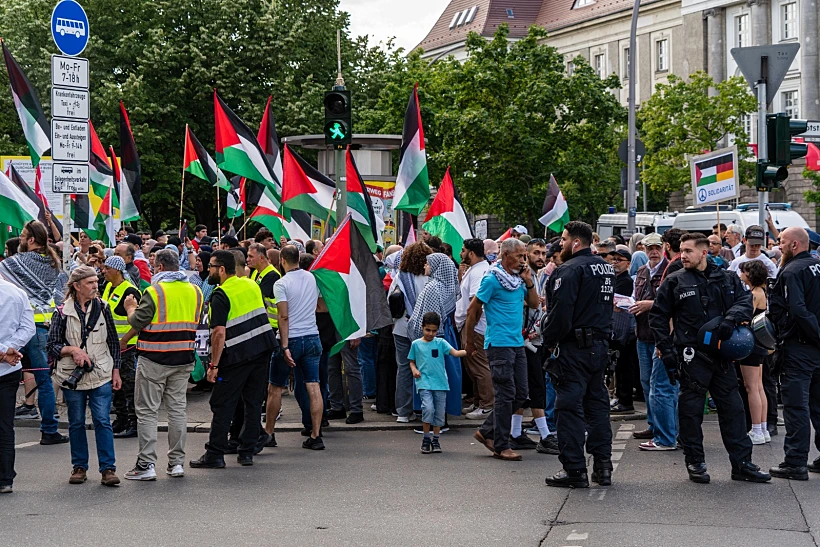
(218,218)
(330,212)
(182,193)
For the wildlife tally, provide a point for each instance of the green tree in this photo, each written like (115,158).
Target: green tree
(813,196)
(682,118)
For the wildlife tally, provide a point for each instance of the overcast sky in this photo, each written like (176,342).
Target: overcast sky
(408,21)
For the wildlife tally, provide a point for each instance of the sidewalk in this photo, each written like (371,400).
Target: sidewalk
(199,417)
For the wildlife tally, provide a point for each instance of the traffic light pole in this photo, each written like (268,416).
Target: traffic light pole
(341,185)
(762,143)
(631,172)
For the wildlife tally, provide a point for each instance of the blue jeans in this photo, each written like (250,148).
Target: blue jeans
(305,352)
(646,354)
(99,401)
(549,410)
(368,350)
(433,406)
(301,394)
(663,397)
(34,356)
(404,377)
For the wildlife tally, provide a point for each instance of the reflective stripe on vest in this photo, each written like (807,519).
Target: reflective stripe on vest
(247,320)
(113,296)
(270,303)
(171,335)
(43,315)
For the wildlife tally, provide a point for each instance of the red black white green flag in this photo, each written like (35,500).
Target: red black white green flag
(298,227)
(446,217)
(306,189)
(129,172)
(199,163)
(269,141)
(359,205)
(412,181)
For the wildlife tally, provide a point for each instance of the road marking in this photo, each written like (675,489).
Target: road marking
(26,445)
(622,435)
(617,456)
(618,446)
(577,537)
(614,466)
(626,427)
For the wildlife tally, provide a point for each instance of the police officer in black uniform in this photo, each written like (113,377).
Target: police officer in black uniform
(794,307)
(576,331)
(691,297)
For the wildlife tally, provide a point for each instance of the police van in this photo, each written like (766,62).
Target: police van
(610,224)
(701,219)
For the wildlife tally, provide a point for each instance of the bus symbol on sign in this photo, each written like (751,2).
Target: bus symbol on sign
(70,26)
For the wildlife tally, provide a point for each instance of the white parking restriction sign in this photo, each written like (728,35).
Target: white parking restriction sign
(69,178)
(70,140)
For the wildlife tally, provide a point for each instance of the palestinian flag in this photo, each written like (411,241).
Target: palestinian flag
(412,182)
(348,277)
(199,163)
(101,188)
(359,205)
(298,227)
(42,206)
(555,212)
(83,215)
(306,189)
(129,172)
(15,206)
(717,169)
(446,217)
(238,151)
(32,118)
(236,205)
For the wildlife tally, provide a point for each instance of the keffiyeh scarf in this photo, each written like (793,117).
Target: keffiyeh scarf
(508,281)
(439,294)
(34,274)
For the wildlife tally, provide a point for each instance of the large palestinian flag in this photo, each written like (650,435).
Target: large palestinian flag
(199,163)
(298,227)
(412,182)
(128,172)
(32,118)
(306,189)
(238,151)
(37,200)
(101,195)
(267,138)
(555,212)
(446,218)
(16,206)
(359,205)
(348,278)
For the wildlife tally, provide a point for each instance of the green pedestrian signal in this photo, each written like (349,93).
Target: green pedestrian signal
(338,122)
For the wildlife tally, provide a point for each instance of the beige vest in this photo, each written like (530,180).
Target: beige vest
(96,348)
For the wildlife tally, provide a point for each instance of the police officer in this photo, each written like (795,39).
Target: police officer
(794,307)
(691,297)
(578,325)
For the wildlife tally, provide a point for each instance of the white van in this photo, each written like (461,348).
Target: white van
(701,219)
(610,224)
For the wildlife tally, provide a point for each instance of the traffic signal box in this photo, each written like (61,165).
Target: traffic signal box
(338,119)
(780,129)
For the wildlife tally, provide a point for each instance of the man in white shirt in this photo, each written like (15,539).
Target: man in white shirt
(473,268)
(296,297)
(734,235)
(16,329)
(754,251)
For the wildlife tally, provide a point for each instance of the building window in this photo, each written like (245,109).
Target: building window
(599,65)
(626,64)
(788,24)
(582,3)
(510,13)
(570,68)
(746,123)
(662,48)
(742,31)
(791,103)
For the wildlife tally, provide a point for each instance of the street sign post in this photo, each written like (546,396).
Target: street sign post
(812,133)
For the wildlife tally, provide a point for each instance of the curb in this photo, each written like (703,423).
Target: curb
(205,427)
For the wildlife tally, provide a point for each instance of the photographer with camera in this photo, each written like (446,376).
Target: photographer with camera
(83,341)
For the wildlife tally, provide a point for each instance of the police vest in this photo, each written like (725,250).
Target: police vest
(113,296)
(42,315)
(170,337)
(270,303)
(247,331)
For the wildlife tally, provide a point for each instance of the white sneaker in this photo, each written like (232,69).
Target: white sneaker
(651,446)
(406,419)
(767,436)
(142,472)
(478,414)
(757,438)
(468,409)
(175,471)
(373,407)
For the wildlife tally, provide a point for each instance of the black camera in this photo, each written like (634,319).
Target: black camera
(77,375)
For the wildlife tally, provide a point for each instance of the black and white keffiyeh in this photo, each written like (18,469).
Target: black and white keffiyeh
(438,295)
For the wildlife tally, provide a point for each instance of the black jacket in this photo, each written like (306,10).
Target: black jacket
(794,302)
(691,298)
(580,295)
(646,286)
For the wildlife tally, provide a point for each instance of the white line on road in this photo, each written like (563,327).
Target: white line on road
(617,456)
(618,446)
(626,427)
(577,537)
(25,445)
(614,466)
(622,435)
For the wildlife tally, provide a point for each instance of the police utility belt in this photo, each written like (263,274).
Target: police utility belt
(585,337)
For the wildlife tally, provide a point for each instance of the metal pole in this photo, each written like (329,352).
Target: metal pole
(762,145)
(67,248)
(644,191)
(341,185)
(631,200)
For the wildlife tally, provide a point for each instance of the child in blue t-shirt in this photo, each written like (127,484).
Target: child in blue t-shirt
(427,364)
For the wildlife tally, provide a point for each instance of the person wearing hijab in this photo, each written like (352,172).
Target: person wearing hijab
(200,279)
(639,258)
(439,295)
(635,241)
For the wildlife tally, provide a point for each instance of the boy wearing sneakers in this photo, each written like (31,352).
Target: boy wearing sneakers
(427,365)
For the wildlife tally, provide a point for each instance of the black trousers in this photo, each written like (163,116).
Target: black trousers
(386,372)
(244,382)
(536,380)
(625,371)
(582,404)
(123,399)
(8,398)
(699,376)
(800,384)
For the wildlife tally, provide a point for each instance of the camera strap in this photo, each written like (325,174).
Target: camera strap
(91,319)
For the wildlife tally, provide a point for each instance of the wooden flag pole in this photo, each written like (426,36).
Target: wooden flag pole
(218,219)
(182,194)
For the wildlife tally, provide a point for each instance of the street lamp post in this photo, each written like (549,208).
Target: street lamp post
(631,172)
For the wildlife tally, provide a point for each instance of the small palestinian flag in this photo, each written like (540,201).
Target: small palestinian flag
(16,207)
(236,205)
(348,278)
(101,188)
(83,215)
(298,227)
(129,171)
(267,138)
(717,169)
(412,182)
(238,151)
(32,118)
(359,205)
(446,217)
(199,163)
(555,213)
(306,189)
(42,206)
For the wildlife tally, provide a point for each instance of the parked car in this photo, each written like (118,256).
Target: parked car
(610,224)
(701,219)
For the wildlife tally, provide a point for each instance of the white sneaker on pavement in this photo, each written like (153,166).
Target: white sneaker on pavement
(478,414)
(767,435)
(406,419)
(651,446)
(757,438)
(468,409)
(175,470)
(142,472)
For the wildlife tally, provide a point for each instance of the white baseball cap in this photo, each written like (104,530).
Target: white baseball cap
(521,230)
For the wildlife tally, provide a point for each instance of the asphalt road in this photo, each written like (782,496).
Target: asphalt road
(374,488)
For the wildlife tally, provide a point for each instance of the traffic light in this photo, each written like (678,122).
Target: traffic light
(780,129)
(338,123)
(769,176)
